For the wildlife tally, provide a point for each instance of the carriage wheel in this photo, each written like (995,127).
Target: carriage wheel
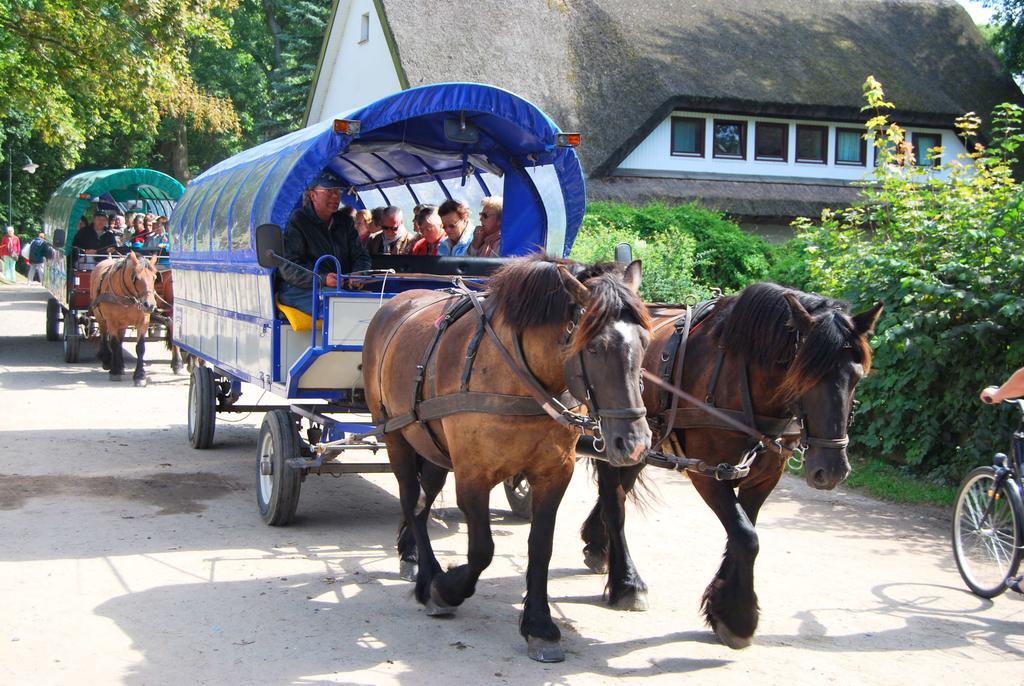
(71,337)
(277,484)
(987,534)
(52,320)
(520,497)
(202,407)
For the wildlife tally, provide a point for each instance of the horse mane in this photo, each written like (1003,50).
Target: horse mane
(528,292)
(757,325)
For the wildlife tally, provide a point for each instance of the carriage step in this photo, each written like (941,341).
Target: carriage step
(332,467)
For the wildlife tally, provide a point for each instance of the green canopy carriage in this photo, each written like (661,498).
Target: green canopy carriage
(67,278)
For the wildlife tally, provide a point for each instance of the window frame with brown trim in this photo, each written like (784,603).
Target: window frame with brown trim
(758,125)
(823,131)
(743,138)
(701,134)
(919,153)
(863,148)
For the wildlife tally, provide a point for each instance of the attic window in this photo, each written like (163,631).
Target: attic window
(811,144)
(851,149)
(730,139)
(364,28)
(771,142)
(687,137)
(923,143)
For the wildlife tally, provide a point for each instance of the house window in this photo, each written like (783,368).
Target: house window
(730,139)
(923,142)
(851,148)
(364,28)
(688,136)
(771,142)
(811,144)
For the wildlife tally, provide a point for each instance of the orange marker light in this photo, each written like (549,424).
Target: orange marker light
(349,127)
(567,140)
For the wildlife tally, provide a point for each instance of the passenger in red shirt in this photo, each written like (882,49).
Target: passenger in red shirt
(428,224)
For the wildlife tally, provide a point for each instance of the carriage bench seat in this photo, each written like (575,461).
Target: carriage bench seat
(299,320)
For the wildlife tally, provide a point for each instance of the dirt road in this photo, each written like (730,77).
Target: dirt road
(128,557)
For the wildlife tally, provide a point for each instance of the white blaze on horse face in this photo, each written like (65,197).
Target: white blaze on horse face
(630,337)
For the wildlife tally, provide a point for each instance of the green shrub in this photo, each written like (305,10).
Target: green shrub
(946,255)
(687,250)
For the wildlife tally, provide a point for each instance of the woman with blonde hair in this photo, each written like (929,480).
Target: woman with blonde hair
(487,236)
(364,225)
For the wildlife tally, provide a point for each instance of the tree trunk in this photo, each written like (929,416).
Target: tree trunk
(275,31)
(179,153)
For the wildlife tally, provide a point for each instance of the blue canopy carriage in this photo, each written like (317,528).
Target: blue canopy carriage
(424,145)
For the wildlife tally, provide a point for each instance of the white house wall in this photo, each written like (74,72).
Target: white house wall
(653,154)
(353,72)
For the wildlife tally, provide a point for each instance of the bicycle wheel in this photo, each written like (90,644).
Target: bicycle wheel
(987,534)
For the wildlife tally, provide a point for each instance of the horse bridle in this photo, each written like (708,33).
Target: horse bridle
(135,299)
(576,368)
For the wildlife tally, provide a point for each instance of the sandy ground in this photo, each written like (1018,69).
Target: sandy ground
(128,557)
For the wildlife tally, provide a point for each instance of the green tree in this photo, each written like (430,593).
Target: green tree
(945,251)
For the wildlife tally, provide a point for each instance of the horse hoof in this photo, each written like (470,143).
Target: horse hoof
(407,570)
(598,564)
(730,639)
(436,606)
(543,650)
(632,602)
(116,377)
(106,366)
(141,382)
(176,369)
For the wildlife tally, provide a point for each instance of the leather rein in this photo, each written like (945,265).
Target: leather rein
(704,413)
(558,407)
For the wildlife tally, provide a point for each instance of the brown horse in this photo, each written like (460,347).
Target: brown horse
(123,295)
(568,326)
(800,356)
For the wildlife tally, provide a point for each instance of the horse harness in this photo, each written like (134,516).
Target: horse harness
(135,300)
(768,431)
(559,407)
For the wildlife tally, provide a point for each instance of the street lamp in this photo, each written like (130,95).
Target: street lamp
(29,166)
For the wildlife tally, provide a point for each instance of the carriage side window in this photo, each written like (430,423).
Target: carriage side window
(364,28)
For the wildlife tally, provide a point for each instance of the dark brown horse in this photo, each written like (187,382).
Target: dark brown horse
(123,295)
(567,326)
(802,356)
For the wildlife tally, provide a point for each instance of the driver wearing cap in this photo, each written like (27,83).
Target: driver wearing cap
(316,229)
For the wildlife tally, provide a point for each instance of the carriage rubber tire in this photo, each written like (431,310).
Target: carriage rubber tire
(71,337)
(970,499)
(52,320)
(277,494)
(520,496)
(202,407)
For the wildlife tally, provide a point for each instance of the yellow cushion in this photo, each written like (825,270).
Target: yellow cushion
(299,320)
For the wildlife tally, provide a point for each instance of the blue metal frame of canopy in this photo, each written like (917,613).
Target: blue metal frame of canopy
(425,144)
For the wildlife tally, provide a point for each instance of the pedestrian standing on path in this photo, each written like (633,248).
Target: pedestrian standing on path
(37,254)
(10,249)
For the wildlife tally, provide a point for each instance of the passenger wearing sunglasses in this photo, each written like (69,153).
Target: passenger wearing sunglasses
(487,236)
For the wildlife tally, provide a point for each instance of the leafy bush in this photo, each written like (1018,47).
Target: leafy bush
(946,255)
(686,249)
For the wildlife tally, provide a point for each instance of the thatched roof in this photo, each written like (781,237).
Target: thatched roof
(613,70)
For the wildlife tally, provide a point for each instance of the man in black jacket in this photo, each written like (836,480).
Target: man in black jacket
(315,229)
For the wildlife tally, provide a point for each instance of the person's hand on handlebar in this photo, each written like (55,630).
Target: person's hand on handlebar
(331,280)
(1011,388)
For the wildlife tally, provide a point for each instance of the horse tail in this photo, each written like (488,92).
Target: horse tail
(169,337)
